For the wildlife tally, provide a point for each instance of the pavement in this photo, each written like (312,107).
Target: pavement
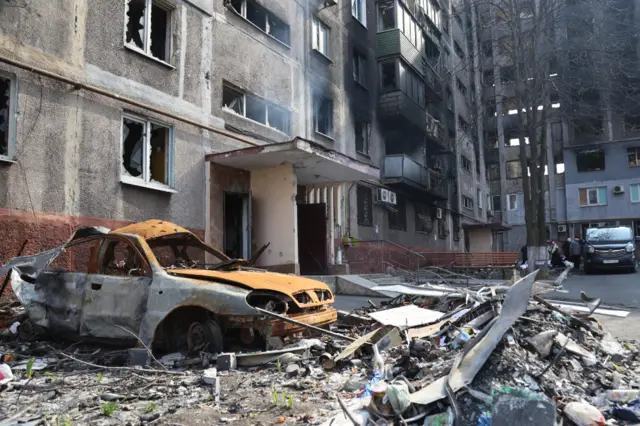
(619,290)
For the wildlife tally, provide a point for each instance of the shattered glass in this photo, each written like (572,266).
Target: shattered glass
(5,99)
(135,22)
(159,154)
(159,32)
(133,147)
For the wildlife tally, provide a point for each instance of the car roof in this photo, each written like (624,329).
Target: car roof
(151,229)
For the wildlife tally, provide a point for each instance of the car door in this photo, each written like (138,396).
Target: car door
(116,295)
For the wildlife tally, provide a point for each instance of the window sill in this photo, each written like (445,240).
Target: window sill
(7,160)
(148,56)
(363,154)
(594,205)
(235,114)
(368,225)
(128,180)
(322,55)
(325,136)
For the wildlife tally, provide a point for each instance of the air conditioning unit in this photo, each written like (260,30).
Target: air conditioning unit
(382,195)
(562,228)
(618,189)
(392,198)
(439,213)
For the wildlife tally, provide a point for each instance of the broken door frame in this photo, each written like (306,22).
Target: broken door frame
(247,220)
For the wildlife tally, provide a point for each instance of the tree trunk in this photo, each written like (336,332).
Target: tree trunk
(538,257)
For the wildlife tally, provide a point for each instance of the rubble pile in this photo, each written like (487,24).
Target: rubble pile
(474,356)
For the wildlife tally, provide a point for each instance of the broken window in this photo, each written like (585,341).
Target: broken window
(466,163)
(146,151)
(591,160)
(255,108)
(360,68)
(398,218)
(424,219)
(120,258)
(556,131)
(320,35)
(592,196)
(389,78)
(74,258)
(633,155)
(323,115)
(512,201)
(514,169)
(496,203)
(494,171)
(365,205)
(467,202)
(362,136)
(262,18)
(148,28)
(386,15)
(6,115)
(359,11)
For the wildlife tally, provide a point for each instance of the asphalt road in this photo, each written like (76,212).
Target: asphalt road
(617,289)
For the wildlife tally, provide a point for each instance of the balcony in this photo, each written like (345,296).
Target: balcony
(403,171)
(437,133)
(393,43)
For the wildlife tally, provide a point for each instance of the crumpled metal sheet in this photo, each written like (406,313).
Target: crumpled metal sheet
(514,305)
(32,266)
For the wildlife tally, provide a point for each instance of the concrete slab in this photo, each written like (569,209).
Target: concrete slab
(355,285)
(329,280)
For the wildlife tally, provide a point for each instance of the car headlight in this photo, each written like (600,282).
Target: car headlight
(630,248)
(591,249)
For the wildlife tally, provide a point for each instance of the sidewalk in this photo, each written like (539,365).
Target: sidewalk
(621,328)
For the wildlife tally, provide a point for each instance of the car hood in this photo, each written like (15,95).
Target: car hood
(257,280)
(603,245)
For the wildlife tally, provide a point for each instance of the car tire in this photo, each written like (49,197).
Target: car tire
(587,271)
(205,336)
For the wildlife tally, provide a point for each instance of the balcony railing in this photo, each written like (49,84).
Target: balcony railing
(400,168)
(437,132)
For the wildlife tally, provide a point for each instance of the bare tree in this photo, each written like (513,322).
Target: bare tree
(553,60)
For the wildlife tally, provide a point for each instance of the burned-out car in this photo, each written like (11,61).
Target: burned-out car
(159,282)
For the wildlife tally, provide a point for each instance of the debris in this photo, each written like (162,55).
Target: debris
(226,361)
(628,413)
(292,370)
(406,316)
(592,303)
(139,356)
(398,395)
(610,346)
(543,342)
(573,347)
(583,414)
(512,410)
(6,375)
(442,419)
(210,375)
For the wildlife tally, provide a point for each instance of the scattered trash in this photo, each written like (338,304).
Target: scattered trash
(442,419)
(6,375)
(583,414)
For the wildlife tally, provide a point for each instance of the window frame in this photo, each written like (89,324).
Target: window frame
(467,202)
(585,169)
(12,118)
(243,14)
(145,269)
(519,174)
(320,101)
(630,152)
(360,68)
(512,206)
(399,217)
(467,166)
(493,203)
(366,139)
(597,191)
(267,106)
(360,217)
(359,11)
(145,181)
(637,186)
(316,26)
(479,198)
(146,49)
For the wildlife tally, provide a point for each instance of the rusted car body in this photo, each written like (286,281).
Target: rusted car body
(159,283)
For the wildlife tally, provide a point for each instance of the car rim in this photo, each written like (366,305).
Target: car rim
(197,336)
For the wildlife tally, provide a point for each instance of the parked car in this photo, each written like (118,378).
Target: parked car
(610,248)
(158,282)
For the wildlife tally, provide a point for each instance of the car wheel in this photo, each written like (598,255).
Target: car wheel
(206,336)
(587,271)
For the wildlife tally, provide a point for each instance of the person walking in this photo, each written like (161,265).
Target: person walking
(566,246)
(576,252)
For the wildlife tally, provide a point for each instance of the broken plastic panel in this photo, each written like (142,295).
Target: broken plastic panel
(5,101)
(133,147)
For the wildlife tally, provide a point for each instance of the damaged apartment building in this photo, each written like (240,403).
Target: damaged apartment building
(593,152)
(312,126)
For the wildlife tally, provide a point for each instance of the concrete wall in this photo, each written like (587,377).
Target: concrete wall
(275,218)
(223,179)
(480,240)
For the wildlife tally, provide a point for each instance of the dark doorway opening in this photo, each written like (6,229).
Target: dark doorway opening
(312,239)
(237,225)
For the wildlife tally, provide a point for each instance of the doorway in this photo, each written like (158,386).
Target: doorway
(237,225)
(312,239)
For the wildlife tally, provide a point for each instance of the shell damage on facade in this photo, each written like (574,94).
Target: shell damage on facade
(160,282)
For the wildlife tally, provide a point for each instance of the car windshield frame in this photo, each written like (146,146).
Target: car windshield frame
(609,235)
(174,241)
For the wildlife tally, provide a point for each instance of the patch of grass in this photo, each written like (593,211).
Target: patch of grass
(274,396)
(63,422)
(29,371)
(49,374)
(108,408)
(279,366)
(99,377)
(152,406)
(290,401)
